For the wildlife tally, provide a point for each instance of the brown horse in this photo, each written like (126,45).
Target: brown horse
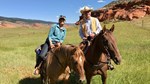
(99,54)
(55,69)
(80,20)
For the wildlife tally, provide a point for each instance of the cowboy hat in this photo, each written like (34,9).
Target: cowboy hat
(85,9)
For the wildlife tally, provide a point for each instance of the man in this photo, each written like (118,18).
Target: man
(89,28)
(55,38)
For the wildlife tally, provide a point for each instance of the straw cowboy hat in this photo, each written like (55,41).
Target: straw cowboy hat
(85,9)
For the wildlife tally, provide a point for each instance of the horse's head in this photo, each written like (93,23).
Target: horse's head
(77,63)
(109,44)
(79,21)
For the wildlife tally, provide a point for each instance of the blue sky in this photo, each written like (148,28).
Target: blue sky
(47,10)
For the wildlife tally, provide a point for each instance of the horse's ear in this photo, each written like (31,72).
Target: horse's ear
(104,28)
(112,28)
(74,50)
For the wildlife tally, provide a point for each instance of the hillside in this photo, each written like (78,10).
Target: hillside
(28,21)
(123,10)
(6,22)
(117,2)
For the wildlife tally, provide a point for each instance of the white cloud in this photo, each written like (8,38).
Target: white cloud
(57,16)
(100,1)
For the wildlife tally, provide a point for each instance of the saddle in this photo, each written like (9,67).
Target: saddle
(38,51)
(84,45)
(39,60)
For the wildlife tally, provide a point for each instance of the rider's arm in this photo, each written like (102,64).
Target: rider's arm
(81,32)
(99,27)
(63,37)
(51,32)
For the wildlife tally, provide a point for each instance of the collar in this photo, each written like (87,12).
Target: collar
(89,18)
(62,28)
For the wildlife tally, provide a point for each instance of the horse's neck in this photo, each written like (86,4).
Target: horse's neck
(95,48)
(66,57)
(95,51)
(61,56)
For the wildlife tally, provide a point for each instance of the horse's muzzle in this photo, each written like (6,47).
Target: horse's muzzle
(117,60)
(81,81)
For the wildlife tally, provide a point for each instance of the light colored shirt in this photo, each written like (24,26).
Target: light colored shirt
(89,29)
(57,34)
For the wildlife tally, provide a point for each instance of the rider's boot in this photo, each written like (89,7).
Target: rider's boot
(110,66)
(38,65)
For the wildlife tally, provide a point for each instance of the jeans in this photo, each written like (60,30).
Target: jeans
(44,50)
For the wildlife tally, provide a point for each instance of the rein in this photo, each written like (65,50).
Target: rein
(68,63)
(107,62)
(57,59)
(107,55)
(100,63)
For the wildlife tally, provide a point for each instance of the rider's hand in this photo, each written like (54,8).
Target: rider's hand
(58,44)
(52,45)
(84,38)
(92,35)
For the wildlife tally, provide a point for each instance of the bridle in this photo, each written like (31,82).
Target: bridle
(107,53)
(108,56)
(100,64)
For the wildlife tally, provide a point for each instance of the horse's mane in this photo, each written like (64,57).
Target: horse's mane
(74,49)
(65,53)
(100,34)
(93,41)
(67,49)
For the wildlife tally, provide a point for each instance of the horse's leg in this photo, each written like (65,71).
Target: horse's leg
(88,78)
(104,77)
(52,82)
(66,80)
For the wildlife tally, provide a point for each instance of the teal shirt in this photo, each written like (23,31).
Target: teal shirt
(57,34)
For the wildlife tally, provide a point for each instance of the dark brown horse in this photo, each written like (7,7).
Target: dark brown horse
(80,20)
(55,69)
(102,49)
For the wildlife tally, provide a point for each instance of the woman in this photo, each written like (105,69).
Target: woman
(55,38)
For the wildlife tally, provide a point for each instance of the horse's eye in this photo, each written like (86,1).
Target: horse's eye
(75,63)
(105,42)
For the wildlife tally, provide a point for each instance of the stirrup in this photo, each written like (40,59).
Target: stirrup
(110,67)
(37,68)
